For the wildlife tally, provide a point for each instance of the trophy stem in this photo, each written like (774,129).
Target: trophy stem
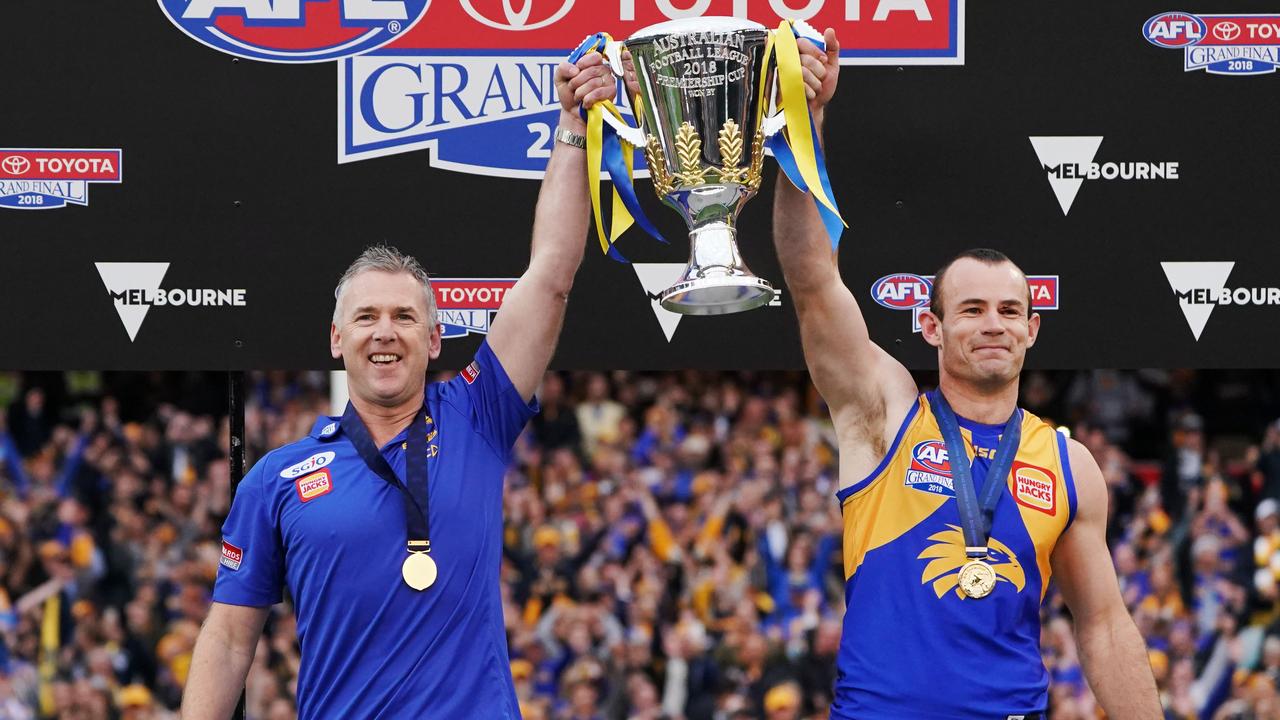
(716,281)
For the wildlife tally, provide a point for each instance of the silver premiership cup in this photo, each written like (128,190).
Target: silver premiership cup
(699,86)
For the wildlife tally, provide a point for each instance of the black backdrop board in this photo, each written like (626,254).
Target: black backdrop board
(230,177)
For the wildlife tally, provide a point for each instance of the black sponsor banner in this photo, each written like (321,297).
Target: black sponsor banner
(164,205)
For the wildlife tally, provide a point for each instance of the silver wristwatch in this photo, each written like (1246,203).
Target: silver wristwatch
(568,137)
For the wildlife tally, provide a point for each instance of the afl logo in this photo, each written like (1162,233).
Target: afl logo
(931,455)
(513,17)
(1174,30)
(902,292)
(294,31)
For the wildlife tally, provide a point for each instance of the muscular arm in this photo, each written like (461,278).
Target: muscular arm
(525,331)
(1112,653)
(863,385)
(221,660)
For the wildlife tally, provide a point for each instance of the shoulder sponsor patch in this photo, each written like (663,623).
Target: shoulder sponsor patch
(471,372)
(315,462)
(314,485)
(231,556)
(1035,487)
(930,471)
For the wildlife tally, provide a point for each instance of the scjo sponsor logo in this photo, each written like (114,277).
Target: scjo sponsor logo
(473,82)
(1219,44)
(315,462)
(294,31)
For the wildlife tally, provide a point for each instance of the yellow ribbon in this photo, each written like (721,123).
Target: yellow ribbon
(621,218)
(796,108)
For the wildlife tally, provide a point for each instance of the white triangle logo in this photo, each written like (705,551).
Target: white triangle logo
(1187,276)
(120,278)
(656,277)
(1056,150)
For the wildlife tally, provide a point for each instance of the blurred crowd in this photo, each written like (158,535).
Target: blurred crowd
(672,541)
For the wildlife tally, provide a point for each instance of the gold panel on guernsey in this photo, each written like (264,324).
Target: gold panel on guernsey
(882,512)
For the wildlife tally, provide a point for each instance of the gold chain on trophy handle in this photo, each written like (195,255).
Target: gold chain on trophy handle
(657,161)
(689,152)
(756,171)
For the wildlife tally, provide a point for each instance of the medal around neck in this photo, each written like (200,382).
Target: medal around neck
(419,571)
(977,579)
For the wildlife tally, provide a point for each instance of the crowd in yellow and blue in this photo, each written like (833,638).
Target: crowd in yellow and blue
(671,544)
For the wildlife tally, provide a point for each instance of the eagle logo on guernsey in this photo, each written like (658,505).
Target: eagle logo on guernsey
(946,556)
(294,31)
(314,485)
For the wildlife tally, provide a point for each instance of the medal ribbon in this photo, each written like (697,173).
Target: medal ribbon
(415,513)
(975,517)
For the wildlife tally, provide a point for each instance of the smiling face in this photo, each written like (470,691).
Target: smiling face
(985,329)
(385,338)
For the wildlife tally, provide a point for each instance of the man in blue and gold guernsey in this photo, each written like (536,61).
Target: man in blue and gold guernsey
(385,524)
(958,507)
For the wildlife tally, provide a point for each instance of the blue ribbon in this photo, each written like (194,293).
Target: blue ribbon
(975,517)
(593,43)
(415,484)
(787,161)
(615,163)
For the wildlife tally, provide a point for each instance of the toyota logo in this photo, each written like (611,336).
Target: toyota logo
(516,19)
(1226,31)
(15,165)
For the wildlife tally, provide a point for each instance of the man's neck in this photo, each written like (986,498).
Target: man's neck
(992,406)
(384,422)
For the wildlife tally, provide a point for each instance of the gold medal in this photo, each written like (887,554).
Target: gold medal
(977,579)
(419,570)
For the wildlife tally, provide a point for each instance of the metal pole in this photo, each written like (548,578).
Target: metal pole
(235,402)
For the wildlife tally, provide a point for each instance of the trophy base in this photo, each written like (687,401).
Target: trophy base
(717,295)
(716,281)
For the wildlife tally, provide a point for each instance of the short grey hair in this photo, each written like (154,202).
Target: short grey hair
(385,258)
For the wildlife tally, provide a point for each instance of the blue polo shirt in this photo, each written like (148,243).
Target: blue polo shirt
(313,516)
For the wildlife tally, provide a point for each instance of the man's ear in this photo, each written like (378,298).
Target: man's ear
(931,328)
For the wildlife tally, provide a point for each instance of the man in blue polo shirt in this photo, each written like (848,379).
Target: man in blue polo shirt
(385,523)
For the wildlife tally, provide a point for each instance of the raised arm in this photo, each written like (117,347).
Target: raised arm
(863,385)
(1112,653)
(224,651)
(525,331)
